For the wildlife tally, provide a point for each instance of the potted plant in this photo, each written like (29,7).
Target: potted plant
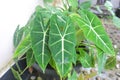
(63,37)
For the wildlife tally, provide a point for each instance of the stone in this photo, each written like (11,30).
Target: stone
(117,66)
(30,69)
(111,75)
(115,46)
(85,72)
(117,74)
(98,78)
(118,78)
(39,78)
(54,79)
(105,79)
(118,58)
(92,70)
(33,77)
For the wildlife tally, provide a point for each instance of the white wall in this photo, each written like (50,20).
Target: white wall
(12,13)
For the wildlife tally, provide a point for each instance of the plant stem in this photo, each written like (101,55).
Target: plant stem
(18,67)
(23,70)
(22,58)
(60,78)
(63,78)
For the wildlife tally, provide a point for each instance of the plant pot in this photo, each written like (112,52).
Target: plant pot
(50,73)
(9,75)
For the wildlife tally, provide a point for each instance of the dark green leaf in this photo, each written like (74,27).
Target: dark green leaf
(62,43)
(16,74)
(73,76)
(39,37)
(52,63)
(80,36)
(23,47)
(85,59)
(28,26)
(30,58)
(94,31)
(73,3)
(110,63)
(18,36)
(85,5)
(48,1)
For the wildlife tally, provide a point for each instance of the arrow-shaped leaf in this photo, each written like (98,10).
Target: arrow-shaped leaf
(39,37)
(62,43)
(94,31)
(18,36)
(23,47)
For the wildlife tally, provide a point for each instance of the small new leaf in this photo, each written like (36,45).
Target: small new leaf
(16,74)
(23,47)
(30,58)
(85,59)
(72,76)
(18,36)
(110,63)
(101,59)
(85,5)
(73,4)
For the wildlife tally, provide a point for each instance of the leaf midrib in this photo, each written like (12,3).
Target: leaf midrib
(95,31)
(62,40)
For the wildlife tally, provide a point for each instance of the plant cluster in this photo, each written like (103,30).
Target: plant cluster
(63,37)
